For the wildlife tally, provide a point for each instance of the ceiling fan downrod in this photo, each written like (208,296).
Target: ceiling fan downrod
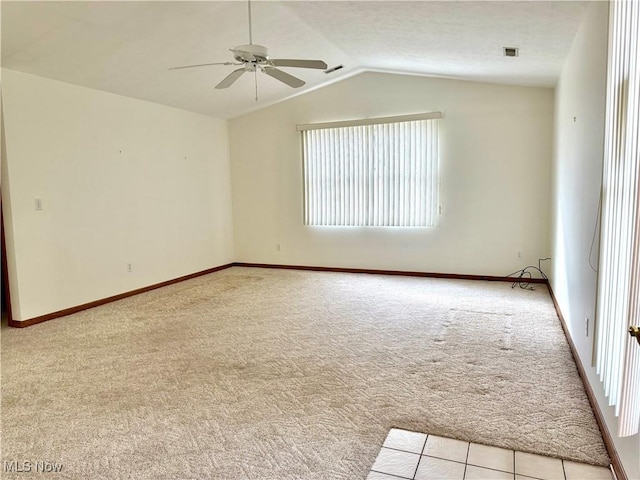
(250,34)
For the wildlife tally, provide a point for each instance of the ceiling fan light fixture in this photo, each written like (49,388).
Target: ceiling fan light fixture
(250,53)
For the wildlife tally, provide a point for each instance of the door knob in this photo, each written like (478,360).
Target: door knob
(634,331)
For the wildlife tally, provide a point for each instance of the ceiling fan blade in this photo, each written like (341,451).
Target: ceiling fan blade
(283,77)
(204,65)
(229,79)
(288,62)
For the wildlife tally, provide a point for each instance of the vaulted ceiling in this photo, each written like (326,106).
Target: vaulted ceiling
(128,47)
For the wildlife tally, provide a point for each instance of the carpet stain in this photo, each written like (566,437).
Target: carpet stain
(481,312)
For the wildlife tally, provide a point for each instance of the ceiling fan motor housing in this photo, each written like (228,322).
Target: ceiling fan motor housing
(251,53)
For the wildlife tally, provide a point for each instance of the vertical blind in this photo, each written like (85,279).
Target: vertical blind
(378,172)
(617,353)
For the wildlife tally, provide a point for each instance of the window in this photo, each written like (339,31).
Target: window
(377,172)
(617,354)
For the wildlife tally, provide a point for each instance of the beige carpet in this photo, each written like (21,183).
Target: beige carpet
(271,374)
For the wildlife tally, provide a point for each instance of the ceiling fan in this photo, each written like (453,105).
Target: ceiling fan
(254,58)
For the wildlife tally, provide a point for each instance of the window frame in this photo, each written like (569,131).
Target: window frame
(366,215)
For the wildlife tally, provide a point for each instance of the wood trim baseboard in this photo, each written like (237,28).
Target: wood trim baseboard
(604,430)
(78,308)
(102,301)
(453,276)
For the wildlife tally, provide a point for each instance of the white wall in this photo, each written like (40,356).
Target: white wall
(577,173)
(121,181)
(496,146)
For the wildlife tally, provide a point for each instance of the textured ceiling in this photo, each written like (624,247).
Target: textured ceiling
(127,47)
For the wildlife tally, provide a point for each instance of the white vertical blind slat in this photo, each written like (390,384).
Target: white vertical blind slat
(617,354)
(372,175)
(630,401)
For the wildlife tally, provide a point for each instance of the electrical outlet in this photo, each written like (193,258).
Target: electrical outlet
(129,267)
(586,326)
(38,203)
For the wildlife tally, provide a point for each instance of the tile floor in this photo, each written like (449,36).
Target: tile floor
(418,456)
